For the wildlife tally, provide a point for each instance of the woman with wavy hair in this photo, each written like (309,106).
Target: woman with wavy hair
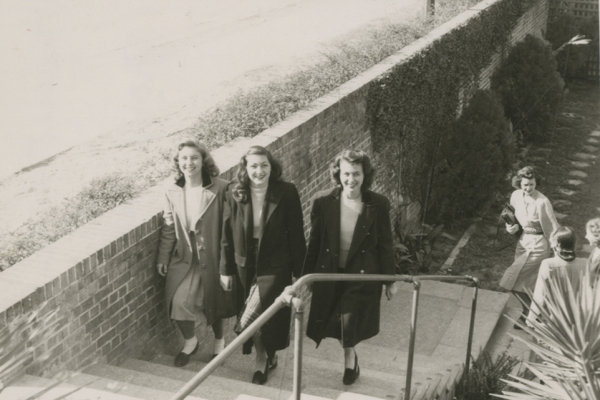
(263,245)
(190,247)
(536,218)
(351,233)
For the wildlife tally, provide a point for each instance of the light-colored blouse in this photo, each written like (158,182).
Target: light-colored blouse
(258,200)
(534,212)
(350,210)
(192,198)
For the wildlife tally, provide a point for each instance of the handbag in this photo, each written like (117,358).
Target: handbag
(508,215)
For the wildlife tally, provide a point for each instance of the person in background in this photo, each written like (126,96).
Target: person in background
(534,212)
(563,243)
(264,246)
(350,234)
(190,247)
(592,230)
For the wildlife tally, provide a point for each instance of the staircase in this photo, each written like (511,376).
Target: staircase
(440,349)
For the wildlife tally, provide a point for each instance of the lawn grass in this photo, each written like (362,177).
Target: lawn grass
(578,116)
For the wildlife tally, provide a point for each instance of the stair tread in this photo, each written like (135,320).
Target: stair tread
(29,385)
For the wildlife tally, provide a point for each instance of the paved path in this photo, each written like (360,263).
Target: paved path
(74,70)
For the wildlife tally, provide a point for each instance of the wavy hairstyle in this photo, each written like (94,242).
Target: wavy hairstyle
(241,187)
(353,157)
(526,173)
(592,228)
(209,167)
(563,240)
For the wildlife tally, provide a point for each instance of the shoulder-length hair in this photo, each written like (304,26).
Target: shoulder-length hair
(241,187)
(209,167)
(592,228)
(526,173)
(353,157)
(564,239)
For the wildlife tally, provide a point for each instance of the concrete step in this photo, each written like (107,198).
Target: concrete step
(172,379)
(29,385)
(319,377)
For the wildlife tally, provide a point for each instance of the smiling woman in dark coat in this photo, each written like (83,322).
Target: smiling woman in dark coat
(350,234)
(264,245)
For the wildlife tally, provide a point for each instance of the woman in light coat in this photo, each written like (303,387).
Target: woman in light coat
(190,247)
(263,246)
(535,214)
(350,233)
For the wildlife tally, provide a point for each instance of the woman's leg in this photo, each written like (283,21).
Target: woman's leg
(219,343)
(187,329)
(261,353)
(349,356)
(525,301)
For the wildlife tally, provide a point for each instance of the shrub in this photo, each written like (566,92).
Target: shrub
(530,88)
(571,62)
(486,376)
(476,154)
(414,246)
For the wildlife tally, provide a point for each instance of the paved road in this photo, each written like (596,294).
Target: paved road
(72,70)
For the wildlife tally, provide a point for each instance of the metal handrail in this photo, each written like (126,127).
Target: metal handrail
(288,297)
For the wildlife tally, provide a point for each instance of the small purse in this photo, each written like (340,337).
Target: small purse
(508,215)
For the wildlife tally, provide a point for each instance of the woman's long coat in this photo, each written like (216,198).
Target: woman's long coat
(357,309)
(175,249)
(281,250)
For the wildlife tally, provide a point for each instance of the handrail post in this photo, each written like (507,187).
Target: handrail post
(472,323)
(413,331)
(298,337)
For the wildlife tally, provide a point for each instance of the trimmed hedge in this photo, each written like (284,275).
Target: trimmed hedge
(411,108)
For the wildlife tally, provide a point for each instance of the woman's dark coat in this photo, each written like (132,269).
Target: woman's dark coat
(281,250)
(175,248)
(371,252)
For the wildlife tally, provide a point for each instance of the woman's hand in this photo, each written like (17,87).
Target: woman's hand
(227,282)
(287,295)
(162,269)
(390,290)
(512,229)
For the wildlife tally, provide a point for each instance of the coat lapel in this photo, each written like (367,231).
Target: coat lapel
(176,196)
(272,200)
(363,225)
(332,222)
(208,196)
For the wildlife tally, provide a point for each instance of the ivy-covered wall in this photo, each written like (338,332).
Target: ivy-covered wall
(409,107)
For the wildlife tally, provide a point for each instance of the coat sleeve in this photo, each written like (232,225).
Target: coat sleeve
(385,243)
(227,264)
(314,240)
(167,233)
(295,228)
(547,218)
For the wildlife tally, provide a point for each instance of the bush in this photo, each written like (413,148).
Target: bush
(476,155)
(530,88)
(572,60)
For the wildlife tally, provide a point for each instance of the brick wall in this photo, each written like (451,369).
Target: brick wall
(102,277)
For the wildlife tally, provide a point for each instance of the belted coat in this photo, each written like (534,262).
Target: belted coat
(175,248)
(348,311)
(281,250)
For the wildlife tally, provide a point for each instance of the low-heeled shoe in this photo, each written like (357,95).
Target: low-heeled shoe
(183,359)
(351,375)
(259,377)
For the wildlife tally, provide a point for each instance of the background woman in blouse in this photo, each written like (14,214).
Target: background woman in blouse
(536,216)
(592,230)
(264,245)
(189,250)
(350,234)
(563,243)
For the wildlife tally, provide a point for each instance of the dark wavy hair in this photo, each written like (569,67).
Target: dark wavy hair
(241,187)
(353,157)
(209,167)
(564,239)
(526,173)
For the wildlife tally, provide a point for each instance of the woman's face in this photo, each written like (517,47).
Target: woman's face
(258,169)
(352,177)
(591,238)
(528,185)
(190,162)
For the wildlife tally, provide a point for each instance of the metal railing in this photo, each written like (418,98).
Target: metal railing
(289,298)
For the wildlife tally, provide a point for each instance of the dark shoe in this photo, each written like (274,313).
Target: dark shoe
(183,359)
(522,320)
(351,375)
(259,377)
